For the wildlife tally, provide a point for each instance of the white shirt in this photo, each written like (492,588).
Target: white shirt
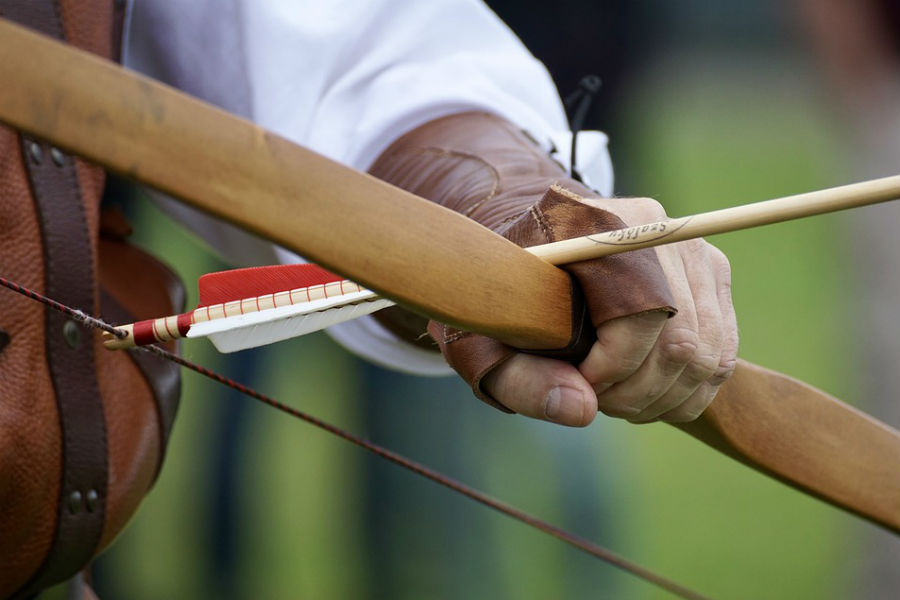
(345,78)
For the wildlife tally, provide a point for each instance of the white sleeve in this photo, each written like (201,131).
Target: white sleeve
(346,78)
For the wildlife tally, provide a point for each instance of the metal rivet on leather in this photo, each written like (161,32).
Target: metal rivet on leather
(75,502)
(34,150)
(72,334)
(91,499)
(4,340)
(58,157)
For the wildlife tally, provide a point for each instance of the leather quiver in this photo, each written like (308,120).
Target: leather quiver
(82,429)
(484,167)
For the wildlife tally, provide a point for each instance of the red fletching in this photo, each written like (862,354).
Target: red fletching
(237,284)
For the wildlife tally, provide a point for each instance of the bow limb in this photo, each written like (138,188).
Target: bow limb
(241,173)
(807,439)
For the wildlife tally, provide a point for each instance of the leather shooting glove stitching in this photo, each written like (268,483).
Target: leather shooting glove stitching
(482,166)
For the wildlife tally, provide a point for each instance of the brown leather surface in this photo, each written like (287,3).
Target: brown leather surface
(160,293)
(30,429)
(485,168)
(89,25)
(621,284)
(472,356)
(67,238)
(30,444)
(30,435)
(133,416)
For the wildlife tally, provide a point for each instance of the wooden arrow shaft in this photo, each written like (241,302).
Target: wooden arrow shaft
(602,244)
(239,172)
(720,221)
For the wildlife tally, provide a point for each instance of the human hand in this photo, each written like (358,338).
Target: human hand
(643,367)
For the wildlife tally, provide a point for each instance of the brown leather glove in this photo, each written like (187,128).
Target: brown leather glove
(484,167)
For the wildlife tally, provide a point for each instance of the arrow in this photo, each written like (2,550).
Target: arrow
(293,300)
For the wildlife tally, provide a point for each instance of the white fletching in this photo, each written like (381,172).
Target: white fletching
(254,329)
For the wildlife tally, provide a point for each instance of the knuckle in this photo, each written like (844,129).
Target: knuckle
(649,207)
(724,371)
(632,405)
(700,249)
(679,346)
(718,257)
(722,267)
(698,246)
(719,263)
(653,411)
(654,392)
(702,367)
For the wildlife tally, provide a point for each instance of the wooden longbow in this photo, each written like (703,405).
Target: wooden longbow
(241,173)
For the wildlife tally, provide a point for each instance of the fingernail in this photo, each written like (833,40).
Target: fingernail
(564,405)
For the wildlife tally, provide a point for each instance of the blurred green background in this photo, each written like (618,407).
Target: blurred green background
(722,104)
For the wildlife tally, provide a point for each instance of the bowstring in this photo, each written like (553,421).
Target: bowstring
(580,543)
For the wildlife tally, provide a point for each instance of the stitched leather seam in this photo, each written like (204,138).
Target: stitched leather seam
(494,174)
(542,223)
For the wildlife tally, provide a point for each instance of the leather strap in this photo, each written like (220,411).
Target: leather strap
(70,356)
(69,278)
